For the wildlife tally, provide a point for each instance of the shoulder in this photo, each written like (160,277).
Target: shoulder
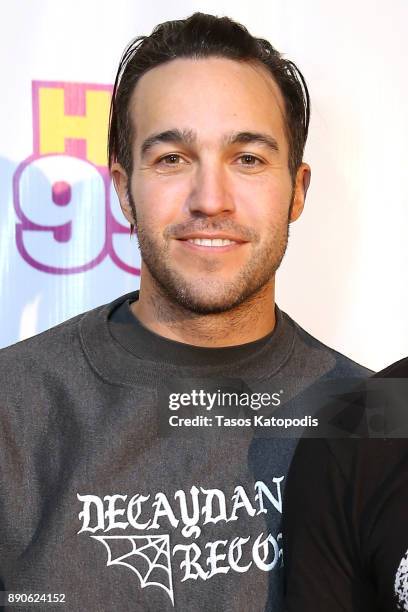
(57,350)
(399,369)
(311,350)
(46,340)
(47,345)
(58,356)
(59,342)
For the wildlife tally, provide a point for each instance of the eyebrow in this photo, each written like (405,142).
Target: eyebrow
(253,138)
(188,137)
(174,136)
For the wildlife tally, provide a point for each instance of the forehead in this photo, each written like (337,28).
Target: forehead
(211,96)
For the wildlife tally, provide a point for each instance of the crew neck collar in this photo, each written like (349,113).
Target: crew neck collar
(143,343)
(123,351)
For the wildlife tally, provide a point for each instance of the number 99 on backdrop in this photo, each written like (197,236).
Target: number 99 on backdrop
(69,217)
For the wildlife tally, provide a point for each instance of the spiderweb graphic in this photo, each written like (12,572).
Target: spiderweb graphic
(147,556)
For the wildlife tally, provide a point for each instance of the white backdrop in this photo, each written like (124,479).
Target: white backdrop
(63,248)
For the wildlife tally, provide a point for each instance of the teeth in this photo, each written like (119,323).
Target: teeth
(208,242)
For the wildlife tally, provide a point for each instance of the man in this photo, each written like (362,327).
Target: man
(347,549)
(128,482)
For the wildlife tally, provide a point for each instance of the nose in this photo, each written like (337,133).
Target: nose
(210,193)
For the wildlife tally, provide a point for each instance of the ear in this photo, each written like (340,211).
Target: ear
(121,182)
(302,182)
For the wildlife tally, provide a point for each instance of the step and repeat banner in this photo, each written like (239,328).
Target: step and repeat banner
(64,244)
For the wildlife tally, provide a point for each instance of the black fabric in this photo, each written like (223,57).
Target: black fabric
(143,343)
(97,502)
(345,521)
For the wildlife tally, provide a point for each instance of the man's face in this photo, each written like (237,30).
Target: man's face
(210,181)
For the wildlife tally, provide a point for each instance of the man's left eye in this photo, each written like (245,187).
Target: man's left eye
(249,160)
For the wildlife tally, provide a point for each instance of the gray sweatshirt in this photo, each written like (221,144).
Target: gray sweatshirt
(126,481)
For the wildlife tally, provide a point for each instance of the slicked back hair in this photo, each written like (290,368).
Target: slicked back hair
(201,36)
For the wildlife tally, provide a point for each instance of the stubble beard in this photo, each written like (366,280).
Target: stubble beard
(207,295)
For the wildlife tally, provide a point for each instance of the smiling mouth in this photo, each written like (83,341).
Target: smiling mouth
(211,242)
(205,241)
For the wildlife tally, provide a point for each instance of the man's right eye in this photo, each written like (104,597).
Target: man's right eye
(171,160)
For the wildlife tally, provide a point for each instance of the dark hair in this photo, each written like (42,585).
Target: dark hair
(201,36)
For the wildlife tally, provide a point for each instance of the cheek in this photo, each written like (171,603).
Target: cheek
(159,200)
(264,202)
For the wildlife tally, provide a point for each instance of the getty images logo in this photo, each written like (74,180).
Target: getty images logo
(223,399)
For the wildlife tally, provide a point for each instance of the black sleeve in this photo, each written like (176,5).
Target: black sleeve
(321,556)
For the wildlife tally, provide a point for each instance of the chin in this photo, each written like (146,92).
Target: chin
(206,299)
(210,293)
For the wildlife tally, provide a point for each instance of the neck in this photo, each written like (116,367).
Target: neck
(250,321)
